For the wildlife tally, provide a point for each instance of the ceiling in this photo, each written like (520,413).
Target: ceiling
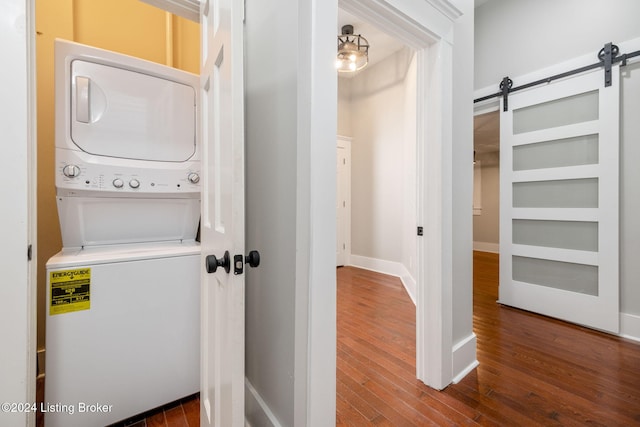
(486,126)
(381,44)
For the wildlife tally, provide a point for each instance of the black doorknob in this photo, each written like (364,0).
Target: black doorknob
(253,259)
(212,262)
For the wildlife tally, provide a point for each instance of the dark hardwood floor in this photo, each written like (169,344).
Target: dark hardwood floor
(533,370)
(181,413)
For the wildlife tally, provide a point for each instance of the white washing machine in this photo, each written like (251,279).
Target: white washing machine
(125,335)
(123,295)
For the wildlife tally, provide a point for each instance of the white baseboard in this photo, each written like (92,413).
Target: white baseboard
(410,285)
(256,411)
(464,358)
(486,247)
(392,268)
(630,326)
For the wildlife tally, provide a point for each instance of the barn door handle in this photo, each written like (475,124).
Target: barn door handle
(212,263)
(253,259)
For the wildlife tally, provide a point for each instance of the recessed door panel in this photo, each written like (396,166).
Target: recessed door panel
(577,235)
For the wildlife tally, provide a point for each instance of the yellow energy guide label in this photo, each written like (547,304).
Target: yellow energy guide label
(70,290)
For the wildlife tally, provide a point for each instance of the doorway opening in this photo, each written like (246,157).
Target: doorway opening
(377,132)
(376,190)
(434,264)
(144,32)
(486,182)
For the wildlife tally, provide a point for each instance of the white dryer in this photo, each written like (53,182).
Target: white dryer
(127,153)
(123,311)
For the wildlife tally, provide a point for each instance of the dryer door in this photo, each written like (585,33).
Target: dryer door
(128,114)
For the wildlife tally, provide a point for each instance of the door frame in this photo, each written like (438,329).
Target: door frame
(19,366)
(428,29)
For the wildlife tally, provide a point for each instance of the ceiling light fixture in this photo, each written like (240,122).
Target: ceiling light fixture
(353,51)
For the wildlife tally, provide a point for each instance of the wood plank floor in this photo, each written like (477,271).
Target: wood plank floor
(533,370)
(181,413)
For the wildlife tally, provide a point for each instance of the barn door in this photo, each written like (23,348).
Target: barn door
(559,201)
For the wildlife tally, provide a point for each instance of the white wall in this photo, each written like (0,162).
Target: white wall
(377,123)
(409,183)
(290,205)
(515,37)
(344,107)
(462,182)
(511,40)
(378,107)
(486,226)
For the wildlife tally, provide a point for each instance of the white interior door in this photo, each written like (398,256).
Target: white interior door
(222,125)
(18,288)
(343,160)
(559,201)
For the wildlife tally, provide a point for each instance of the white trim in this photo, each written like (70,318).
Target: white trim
(489,106)
(556,254)
(558,214)
(486,247)
(315,307)
(630,326)
(447,8)
(413,22)
(435,210)
(189,9)
(18,108)
(256,410)
(559,132)
(391,268)
(32,197)
(409,284)
(464,358)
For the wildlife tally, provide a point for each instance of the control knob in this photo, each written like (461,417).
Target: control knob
(71,171)
(118,183)
(193,178)
(134,183)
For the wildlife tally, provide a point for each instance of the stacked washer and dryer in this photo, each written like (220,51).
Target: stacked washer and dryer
(123,295)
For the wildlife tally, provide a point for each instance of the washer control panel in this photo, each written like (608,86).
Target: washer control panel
(170,178)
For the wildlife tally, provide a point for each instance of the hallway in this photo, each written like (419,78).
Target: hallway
(533,370)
